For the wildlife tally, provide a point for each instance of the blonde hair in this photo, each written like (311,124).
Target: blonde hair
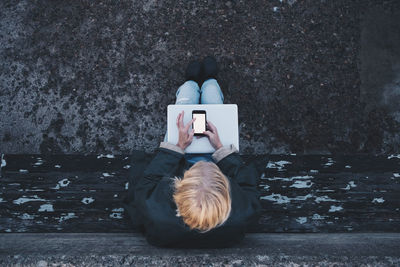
(203,196)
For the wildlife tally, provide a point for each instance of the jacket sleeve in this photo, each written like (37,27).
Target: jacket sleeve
(246,176)
(164,163)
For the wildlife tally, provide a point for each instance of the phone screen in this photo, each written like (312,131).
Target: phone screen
(199,123)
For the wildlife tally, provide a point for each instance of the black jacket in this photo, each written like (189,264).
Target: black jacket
(157,211)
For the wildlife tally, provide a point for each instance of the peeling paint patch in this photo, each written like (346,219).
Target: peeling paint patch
(316,216)
(350,185)
(127,166)
(34,190)
(397,175)
(347,187)
(266,187)
(24,199)
(116,215)
(378,200)
(1,200)
(57,166)
(67,217)
(302,184)
(26,216)
(118,209)
(23,171)
(106,174)
(347,166)
(277,164)
(56,187)
(39,162)
(324,199)
(3,161)
(394,156)
(46,207)
(335,208)
(62,183)
(110,156)
(288,179)
(279,199)
(7,230)
(87,200)
(314,171)
(301,220)
(127,186)
(329,163)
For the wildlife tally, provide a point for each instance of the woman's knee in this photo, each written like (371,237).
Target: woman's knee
(188,93)
(211,94)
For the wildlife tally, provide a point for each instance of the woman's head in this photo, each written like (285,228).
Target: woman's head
(203,196)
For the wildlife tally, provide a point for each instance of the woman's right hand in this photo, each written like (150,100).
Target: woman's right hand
(212,135)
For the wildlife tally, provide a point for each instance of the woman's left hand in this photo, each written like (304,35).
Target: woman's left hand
(185,138)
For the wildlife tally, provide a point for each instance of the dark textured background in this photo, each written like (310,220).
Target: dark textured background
(94,77)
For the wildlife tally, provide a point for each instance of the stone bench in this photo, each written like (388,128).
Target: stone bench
(317,209)
(309,193)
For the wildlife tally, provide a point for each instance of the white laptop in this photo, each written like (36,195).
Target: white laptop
(223,116)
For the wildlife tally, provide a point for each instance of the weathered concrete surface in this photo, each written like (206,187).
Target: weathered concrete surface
(101,249)
(380,72)
(94,77)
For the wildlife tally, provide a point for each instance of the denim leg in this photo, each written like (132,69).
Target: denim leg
(211,92)
(187,94)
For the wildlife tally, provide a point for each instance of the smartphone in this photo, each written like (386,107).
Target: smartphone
(199,125)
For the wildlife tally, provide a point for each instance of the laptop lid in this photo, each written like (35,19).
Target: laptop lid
(223,116)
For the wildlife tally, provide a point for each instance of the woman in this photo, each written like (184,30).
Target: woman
(217,197)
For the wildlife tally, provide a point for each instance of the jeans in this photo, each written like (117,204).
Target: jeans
(190,93)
